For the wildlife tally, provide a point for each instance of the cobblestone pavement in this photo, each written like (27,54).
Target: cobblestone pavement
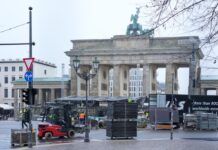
(147,139)
(134,144)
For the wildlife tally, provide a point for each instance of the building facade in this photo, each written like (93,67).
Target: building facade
(135,83)
(209,83)
(12,70)
(47,89)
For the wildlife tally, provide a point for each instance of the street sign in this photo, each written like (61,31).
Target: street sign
(28,76)
(28,62)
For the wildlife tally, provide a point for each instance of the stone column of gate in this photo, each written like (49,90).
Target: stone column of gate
(171,75)
(146,86)
(153,78)
(99,84)
(105,81)
(120,80)
(197,78)
(191,78)
(95,83)
(116,80)
(176,81)
(124,80)
(82,87)
(74,83)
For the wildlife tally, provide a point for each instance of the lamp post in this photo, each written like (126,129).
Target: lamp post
(192,73)
(172,105)
(86,76)
(30,84)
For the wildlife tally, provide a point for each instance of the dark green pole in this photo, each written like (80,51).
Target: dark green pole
(30,85)
(86,139)
(171,109)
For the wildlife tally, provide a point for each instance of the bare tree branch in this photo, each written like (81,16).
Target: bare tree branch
(200,15)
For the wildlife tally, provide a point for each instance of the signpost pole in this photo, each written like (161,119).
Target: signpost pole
(30,85)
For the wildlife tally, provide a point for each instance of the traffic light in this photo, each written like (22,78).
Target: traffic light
(25,96)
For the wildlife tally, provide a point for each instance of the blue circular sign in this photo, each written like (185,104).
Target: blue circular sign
(28,76)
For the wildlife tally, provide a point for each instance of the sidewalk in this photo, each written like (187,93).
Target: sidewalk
(133,145)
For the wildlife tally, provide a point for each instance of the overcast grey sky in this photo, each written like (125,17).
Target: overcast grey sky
(56,22)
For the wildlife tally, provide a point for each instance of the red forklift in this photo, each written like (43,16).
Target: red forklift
(59,120)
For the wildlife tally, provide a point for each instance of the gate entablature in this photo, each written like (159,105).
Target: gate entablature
(131,50)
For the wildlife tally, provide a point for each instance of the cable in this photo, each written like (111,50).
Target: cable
(13,27)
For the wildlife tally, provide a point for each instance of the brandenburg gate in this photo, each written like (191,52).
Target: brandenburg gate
(123,52)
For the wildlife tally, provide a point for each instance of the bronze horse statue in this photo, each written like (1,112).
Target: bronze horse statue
(136,29)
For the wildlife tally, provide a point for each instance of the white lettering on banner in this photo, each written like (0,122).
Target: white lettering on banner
(206,103)
(168,104)
(196,103)
(181,105)
(201,108)
(214,103)
(213,109)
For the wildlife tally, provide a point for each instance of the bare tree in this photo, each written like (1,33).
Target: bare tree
(199,15)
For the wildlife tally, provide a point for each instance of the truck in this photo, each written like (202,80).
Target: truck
(59,120)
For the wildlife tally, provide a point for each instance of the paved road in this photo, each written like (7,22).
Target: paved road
(146,139)
(133,145)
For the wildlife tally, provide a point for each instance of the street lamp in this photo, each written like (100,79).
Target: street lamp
(172,109)
(194,42)
(86,75)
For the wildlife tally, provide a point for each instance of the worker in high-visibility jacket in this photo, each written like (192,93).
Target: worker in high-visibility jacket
(25,118)
(82,118)
(129,100)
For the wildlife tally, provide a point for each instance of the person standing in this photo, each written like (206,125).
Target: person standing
(82,118)
(24,118)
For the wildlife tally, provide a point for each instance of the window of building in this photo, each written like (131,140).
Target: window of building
(12,93)
(13,68)
(12,104)
(0,69)
(6,93)
(20,77)
(45,72)
(6,80)
(20,68)
(6,69)
(13,78)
